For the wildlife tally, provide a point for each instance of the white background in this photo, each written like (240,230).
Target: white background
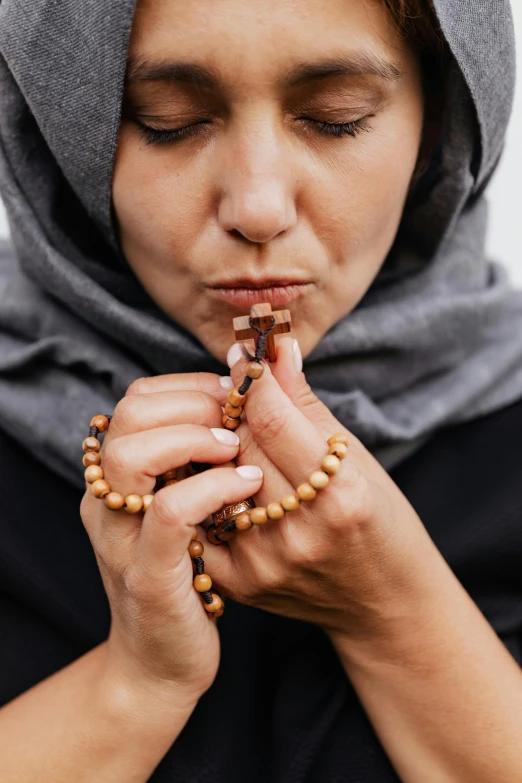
(505,229)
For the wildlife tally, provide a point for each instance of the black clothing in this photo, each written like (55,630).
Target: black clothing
(281,709)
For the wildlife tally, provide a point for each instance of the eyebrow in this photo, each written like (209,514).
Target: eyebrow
(207,77)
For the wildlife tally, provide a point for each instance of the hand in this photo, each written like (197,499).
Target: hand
(160,631)
(350,561)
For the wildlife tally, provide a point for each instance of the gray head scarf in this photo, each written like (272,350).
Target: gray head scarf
(436,341)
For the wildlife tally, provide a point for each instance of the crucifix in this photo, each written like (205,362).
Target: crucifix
(261,315)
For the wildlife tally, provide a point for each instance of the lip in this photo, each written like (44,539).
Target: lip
(243,293)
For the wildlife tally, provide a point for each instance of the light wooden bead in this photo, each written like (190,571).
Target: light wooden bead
(194,535)
(243,521)
(339,450)
(114,501)
(101,422)
(258,516)
(230,424)
(254,370)
(290,502)
(91,444)
(133,504)
(93,473)
(339,437)
(147,500)
(216,604)
(100,488)
(170,474)
(275,511)
(318,479)
(330,464)
(91,458)
(235,398)
(202,583)
(233,411)
(306,492)
(196,549)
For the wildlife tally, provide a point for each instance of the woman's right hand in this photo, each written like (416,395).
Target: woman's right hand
(160,631)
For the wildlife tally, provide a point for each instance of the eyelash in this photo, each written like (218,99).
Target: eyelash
(156,136)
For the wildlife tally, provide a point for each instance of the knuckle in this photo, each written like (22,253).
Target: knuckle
(138,386)
(137,585)
(305,397)
(167,508)
(126,413)
(116,460)
(269,424)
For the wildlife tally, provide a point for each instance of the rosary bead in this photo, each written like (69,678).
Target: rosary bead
(195,549)
(275,511)
(211,536)
(339,450)
(114,501)
(216,604)
(91,458)
(243,521)
(100,488)
(194,535)
(339,437)
(254,370)
(230,424)
(224,535)
(147,500)
(233,411)
(290,502)
(202,583)
(318,479)
(133,504)
(101,422)
(91,444)
(219,613)
(169,474)
(258,516)
(93,473)
(306,492)
(330,464)
(235,398)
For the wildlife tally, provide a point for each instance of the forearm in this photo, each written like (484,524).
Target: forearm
(442,692)
(88,725)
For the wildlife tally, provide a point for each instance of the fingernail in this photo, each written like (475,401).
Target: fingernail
(298,357)
(250,472)
(226,382)
(227,437)
(234,355)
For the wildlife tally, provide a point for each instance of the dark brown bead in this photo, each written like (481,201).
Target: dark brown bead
(211,536)
(93,473)
(254,370)
(114,501)
(100,488)
(224,535)
(91,458)
(230,424)
(243,521)
(275,511)
(101,422)
(91,444)
(202,583)
(133,504)
(235,398)
(232,411)
(196,549)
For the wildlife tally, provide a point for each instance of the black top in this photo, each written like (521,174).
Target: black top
(281,709)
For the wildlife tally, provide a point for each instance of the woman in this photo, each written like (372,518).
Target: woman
(330,157)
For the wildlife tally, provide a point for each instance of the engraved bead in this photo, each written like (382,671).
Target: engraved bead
(230,424)
(216,604)
(318,479)
(258,516)
(243,521)
(101,422)
(100,488)
(339,437)
(114,501)
(235,398)
(91,458)
(196,549)
(147,500)
(254,370)
(93,473)
(91,444)
(202,583)
(339,450)
(275,511)
(330,464)
(133,503)
(306,492)
(232,411)
(290,502)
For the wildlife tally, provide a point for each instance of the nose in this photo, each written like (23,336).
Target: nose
(257,188)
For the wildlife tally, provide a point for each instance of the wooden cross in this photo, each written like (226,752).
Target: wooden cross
(261,315)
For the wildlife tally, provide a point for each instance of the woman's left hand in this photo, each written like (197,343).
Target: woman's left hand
(353,560)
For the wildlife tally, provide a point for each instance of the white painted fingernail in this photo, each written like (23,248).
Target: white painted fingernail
(227,437)
(298,357)
(250,472)
(234,355)
(226,382)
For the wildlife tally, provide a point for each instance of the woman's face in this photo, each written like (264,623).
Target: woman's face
(265,154)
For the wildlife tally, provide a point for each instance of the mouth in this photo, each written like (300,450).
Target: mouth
(243,293)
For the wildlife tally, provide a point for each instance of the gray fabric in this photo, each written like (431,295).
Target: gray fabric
(437,340)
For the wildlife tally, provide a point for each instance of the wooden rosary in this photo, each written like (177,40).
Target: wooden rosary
(262,325)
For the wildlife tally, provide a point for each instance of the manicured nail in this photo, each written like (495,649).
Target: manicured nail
(227,437)
(234,355)
(226,382)
(298,357)
(250,472)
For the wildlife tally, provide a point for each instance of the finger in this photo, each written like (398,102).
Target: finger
(169,522)
(206,382)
